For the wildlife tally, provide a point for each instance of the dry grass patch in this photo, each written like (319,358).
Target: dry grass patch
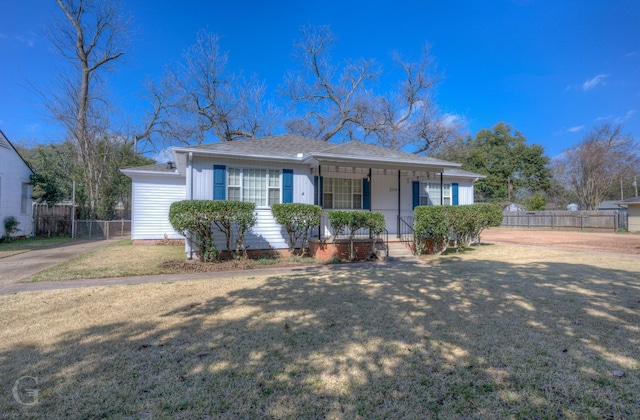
(120,259)
(502,331)
(18,246)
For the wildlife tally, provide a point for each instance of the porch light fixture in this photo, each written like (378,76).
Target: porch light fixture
(368,178)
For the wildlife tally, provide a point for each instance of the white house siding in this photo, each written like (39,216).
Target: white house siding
(152,197)
(266,234)
(13,173)
(634,217)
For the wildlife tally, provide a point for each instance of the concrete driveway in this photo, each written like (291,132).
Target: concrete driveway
(16,268)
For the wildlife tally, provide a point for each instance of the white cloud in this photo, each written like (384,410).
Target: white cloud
(575,129)
(28,41)
(3,36)
(163,156)
(1,122)
(631,54)
(626,117)
(593,82)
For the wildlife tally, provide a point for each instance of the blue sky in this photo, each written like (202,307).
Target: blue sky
(551,69)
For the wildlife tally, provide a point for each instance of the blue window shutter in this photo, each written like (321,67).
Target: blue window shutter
(287,185)
(366,194)
(219,182)
(454,194)
(317,184)
(415,188)
(315,190)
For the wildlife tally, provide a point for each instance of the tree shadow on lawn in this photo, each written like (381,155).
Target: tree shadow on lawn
(462,339)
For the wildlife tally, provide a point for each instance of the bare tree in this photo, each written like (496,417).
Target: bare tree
(409,116)
(594,168)
(332,101)
(90,35)
(210,100)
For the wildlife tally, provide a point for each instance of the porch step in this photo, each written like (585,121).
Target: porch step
(399,252)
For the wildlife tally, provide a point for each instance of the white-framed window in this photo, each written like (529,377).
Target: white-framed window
(430,194)
(24,198)
(339,193)
(258,186)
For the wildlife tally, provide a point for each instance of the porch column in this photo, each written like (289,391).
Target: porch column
(370,191)
(319,193)
(399,206)
(441,189)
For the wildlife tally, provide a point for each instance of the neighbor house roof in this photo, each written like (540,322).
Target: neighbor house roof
(631,200)
(293,148)
(158,168)
(6,144)
(611,205)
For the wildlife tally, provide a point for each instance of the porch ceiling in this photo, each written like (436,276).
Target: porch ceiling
(378,164)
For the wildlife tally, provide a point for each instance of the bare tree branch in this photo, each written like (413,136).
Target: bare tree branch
(330,104)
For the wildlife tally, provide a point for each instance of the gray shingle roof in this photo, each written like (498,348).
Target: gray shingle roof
(157,168)
(290,146)
(286,146)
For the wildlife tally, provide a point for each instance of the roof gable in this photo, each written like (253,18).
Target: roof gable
(6,144)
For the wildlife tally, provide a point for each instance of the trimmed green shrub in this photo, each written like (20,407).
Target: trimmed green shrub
(236,215)
(341,220)
(193,219)
(431,227)
(490,215)
(10,228)
(196,219)
(436,224)
(297,220)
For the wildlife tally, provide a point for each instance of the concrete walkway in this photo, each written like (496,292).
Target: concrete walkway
(221,275)
(19,267)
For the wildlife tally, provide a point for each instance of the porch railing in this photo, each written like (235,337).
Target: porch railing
(405,232)
(362,233)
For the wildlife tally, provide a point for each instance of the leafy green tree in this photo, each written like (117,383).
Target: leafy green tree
(509,162)
(535,202)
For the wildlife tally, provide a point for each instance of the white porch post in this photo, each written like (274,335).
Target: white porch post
(399,206)
(187,243)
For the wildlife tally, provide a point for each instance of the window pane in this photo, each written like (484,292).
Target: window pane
(357,186)
(357,201)
(233,194)
(24,198)
(274,196)
(327,201)
(254,186)
(274,178)
(233,177)
(342,194)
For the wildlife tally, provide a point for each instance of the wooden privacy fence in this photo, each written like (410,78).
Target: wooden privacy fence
(52,221)
(596,220)
(103,229)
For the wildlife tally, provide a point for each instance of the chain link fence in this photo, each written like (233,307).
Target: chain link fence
(102,229)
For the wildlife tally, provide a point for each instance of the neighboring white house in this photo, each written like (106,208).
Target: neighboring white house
(289,168)
(15,191)
(633,206)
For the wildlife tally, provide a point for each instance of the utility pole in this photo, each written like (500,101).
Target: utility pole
(635,185)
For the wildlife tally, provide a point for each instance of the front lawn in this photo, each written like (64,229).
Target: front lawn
(500,332)
(123,259)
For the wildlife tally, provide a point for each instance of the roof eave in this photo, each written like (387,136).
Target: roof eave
(187,150)
(134,171)
(331,159)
